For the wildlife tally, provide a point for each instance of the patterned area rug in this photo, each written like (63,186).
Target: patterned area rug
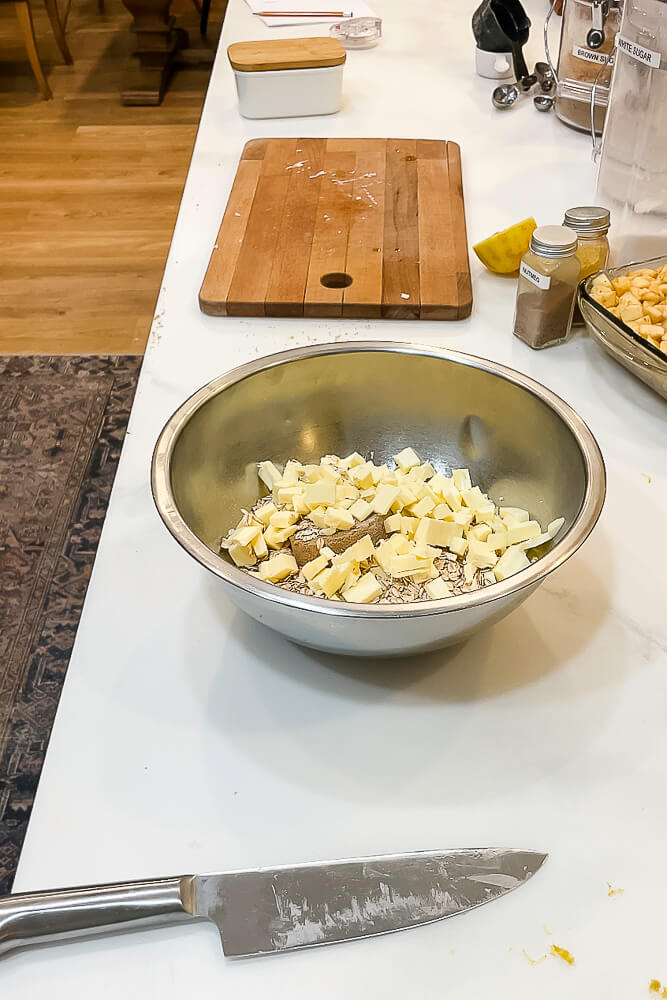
(62,424)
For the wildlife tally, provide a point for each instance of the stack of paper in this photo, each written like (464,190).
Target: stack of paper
(304,9)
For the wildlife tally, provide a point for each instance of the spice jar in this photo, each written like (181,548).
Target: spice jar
(548,279)
(591,224)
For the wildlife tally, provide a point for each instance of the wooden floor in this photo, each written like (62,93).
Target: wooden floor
(89,189)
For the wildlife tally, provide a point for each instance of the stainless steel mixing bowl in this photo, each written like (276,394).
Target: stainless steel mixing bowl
(522,444)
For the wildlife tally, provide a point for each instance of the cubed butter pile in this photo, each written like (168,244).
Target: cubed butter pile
(425,514)
(638,299)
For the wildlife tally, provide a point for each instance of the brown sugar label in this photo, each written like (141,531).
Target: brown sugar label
(542,281)
(638,52)
(589,55)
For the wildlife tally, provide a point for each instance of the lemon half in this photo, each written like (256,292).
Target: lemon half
(503,251)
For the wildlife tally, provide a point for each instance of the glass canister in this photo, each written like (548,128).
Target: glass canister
(588,36)
(548,279)
(632,177)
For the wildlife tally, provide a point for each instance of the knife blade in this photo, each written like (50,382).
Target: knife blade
(269,910)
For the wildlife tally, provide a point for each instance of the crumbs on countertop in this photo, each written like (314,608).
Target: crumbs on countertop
(655,986)
(533,961)
(563,953)
(614,892)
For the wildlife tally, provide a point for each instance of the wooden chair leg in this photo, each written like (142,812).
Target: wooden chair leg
(22,8)
(56,24)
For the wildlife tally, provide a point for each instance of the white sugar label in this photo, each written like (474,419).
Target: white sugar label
(589,55)
(542,281)
(647,56)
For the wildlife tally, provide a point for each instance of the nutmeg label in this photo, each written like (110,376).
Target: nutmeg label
(542,281)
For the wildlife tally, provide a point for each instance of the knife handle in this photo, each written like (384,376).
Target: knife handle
(43,917)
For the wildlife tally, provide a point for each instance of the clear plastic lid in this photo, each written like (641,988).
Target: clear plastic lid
(358,32)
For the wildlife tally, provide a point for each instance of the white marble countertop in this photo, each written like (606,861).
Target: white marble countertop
(190,739)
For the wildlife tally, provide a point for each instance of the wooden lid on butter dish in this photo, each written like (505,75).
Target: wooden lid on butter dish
(285,53)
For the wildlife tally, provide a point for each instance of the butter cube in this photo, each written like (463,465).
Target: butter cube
(441,512)
(243,555)
(320,494)
(265,512)
(440,533)
(399,544)
(361,476)
(329,473)
(283,518)
(463,517)
(245,535)
(384,498)
(459,546)
(361,509)
(338,518)
(269,474)
(331,580)
(311,473)
(437,589)
(360,550)
(351,579)
(315,566)
(275,538)
(300,504)
(405,498)
(477,501)
(461,479)
(346,491)
(423,472)
(291,474)
(383,555)
(513,514)
(497,540)
(260,547)
(366,590)
(480,555)
(317,516)
(352,460)
(278,567)
(427,552)
(409,525)
(405,564)
(511,561)
(378,473)
(286,494)
(523,531)
(424,507)
(439,482)
(393,523)
(480,531)
(407,459)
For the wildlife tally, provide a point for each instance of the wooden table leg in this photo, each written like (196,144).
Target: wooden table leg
(157,44)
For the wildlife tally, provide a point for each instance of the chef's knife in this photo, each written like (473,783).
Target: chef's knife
(277,909)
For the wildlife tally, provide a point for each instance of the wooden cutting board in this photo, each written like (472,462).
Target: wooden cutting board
(362,228)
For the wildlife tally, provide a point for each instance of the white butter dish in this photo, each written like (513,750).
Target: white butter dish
(288,77)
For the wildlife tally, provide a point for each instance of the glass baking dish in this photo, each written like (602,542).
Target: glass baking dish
(639,356)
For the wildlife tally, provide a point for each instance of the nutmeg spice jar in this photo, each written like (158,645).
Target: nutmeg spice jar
(548,279)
